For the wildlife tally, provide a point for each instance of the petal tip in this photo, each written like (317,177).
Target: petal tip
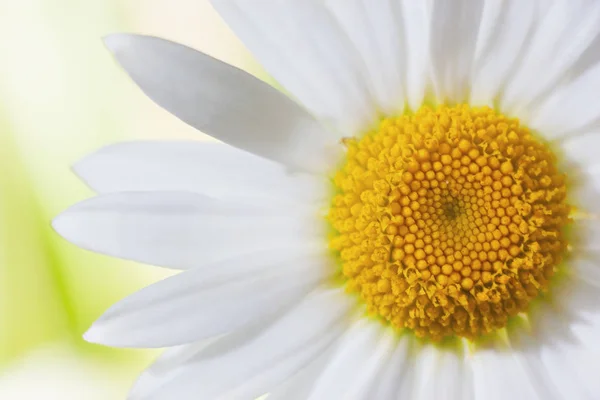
(92,336)
(100,335)
(113,41)
(61,226)
(116,42)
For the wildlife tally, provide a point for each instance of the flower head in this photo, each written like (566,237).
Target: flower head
(418,219)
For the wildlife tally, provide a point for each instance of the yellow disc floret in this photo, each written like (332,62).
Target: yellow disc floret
(449,221)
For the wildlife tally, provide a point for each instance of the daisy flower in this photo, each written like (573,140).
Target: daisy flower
(416,217)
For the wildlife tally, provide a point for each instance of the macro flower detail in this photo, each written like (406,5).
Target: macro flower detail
(416,217)
(449,221)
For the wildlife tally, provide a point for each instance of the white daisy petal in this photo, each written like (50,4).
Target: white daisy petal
(299,386)
(265,359)
(505,27)
(169,364)
(353,367)
(183,230)
(572,108)
(584,193)
(565,27)
(581,150)
(525,350)
(396,377)
(569,368)
(442,373)
(304,49)
(498,375)
(554,366)
(209,301)
(586,236)
(454,32)
(587,270)
(416,20)
(376,32)
(210,168)
(224,102)
(564,342)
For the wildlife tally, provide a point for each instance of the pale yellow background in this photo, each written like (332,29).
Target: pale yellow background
(61,97)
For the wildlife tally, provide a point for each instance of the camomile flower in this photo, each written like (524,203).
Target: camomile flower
(415,218)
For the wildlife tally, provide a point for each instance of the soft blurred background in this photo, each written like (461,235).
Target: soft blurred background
(62,97)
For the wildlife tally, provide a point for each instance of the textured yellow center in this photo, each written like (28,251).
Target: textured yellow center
(448,221)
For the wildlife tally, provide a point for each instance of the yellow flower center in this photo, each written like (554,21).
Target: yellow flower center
(449,221)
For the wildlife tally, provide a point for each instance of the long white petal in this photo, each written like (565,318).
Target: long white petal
(504,30)
(396,377)
(205,302)
(264,359)
(376,31)
(572,108)
(184,230)
(498,375)
(300,44)
(210,168)
(581,150)
(561,352)
(442,373)
(299,386)
(355,364)
(417,19)
(565,27)
(454,32)
(224,102)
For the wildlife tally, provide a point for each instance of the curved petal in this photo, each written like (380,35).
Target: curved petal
(454,32)
(504,30)
(298,386)
(260,361)
(210,168)
(417,21)
(587,270)
(565,27)
(376,31)
(442,373)
(498,375)
(301,45)
(582,150)
(210,301)
(184,230)
(561,353)
(551,370)
(354,365)
(572,108)
(396,378)
(224,102)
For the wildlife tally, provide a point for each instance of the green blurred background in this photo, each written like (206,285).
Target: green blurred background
(62,97)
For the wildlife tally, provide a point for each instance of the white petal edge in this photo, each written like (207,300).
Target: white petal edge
(441,373)
(498,375)
(376,31)
(184,230)
(210,168)
(504,29)
(416,21)
(300,44)
(354,365)
(205,302)
(567,27)
(454,32)
(581,150)
(571,109)
(264,360)
(397,377)
(224,102)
